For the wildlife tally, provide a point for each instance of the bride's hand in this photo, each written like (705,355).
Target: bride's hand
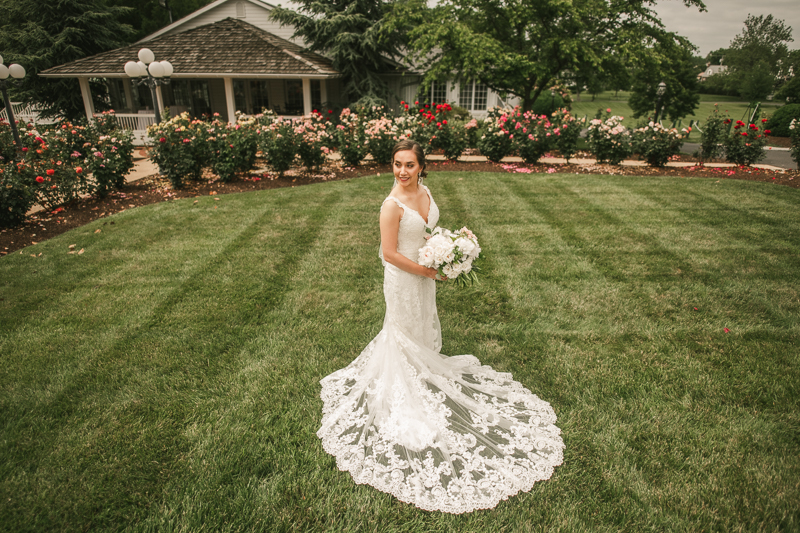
(434,274)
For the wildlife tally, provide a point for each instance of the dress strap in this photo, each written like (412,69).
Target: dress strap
(399,203)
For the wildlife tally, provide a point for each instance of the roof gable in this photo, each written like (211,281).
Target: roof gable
(255,12)
(228,48)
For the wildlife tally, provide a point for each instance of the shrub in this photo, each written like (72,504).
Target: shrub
(450,138)
(494,141)
(8,149)
(713,135)
(178,149)
(745,145)
(313,140)
(381,134)
(532,135)
(569,131)
(109,160)
(279,144)
(656,143)
(351,139)
(794,130)
(608,139)
(779,121)
(472,129)
(17,192)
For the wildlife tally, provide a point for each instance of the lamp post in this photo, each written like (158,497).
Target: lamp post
(149,72)
(17,72)
(662,89)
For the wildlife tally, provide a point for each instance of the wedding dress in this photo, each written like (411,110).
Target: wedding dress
(443,433)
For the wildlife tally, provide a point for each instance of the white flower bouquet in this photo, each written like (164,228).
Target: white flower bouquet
(452,253)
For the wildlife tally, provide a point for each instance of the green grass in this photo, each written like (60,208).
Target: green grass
(618,103)
(167,378)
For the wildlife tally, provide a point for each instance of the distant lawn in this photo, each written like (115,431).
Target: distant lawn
(167,378)
(619,106)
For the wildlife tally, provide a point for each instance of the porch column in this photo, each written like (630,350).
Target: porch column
(160,100)
(86,92)
(306,97)
(229,100)
(323,93)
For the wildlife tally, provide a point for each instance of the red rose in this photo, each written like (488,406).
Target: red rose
(162,140)
(416,102)
(402,102)
(444,122)
(763,120)
(50,171)
(78,170)
(744,134)
(767,132)
(39,179)
(24,149)
(330,111)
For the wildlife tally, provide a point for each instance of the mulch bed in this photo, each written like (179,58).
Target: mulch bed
(45,225)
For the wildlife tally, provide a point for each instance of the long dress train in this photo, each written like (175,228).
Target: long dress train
(443,433)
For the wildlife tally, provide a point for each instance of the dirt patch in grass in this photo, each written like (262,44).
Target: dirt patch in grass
(47,224)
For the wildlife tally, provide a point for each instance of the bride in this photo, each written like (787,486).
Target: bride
(443,433)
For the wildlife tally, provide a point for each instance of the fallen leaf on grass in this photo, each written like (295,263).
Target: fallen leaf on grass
(727,330)
(97,230)
(196,201)
(79,253)
(71,246)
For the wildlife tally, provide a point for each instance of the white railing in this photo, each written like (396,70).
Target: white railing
(137,123)
(24,113)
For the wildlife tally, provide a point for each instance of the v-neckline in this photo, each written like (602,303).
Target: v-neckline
(430,206)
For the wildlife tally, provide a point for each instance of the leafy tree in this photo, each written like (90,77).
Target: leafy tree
(354,34)
(670,61)
(790,79)
(39,35)
(755,56)
(717,57)
(520,46)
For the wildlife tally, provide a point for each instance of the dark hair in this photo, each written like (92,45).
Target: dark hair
(415,147)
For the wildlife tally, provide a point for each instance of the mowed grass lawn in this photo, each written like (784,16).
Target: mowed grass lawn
(167,378)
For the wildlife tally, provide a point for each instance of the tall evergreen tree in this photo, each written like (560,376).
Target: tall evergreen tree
(149,16)
(39,35)
(353,33)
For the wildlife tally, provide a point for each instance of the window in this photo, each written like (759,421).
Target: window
(438,92)
(294,97)
(473,96)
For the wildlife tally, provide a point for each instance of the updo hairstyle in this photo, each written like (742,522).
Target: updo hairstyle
(415,147)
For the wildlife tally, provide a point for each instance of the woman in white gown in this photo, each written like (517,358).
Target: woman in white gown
(443,433)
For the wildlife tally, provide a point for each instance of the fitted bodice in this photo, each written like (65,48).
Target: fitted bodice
(411,235)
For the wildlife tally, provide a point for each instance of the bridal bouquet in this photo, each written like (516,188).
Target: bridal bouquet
(452,254)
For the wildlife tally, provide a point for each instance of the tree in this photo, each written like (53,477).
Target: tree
(149,16)
(717,57)
(354,34)
(755,56)
(670,61)
(520,47)
(39,35)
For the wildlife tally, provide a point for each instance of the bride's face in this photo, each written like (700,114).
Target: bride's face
(406,168)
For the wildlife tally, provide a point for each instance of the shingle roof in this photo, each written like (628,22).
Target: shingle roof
(228,47)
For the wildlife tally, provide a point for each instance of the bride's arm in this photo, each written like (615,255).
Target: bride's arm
(390,226)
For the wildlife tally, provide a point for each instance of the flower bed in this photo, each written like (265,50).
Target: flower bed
(54,161)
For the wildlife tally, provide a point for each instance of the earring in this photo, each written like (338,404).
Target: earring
(395,183)
(419,179)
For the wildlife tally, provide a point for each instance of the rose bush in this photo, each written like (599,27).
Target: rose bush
(713,135)
(745,145)
(494,141)
(608,139)
(656,144)
(794,131)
